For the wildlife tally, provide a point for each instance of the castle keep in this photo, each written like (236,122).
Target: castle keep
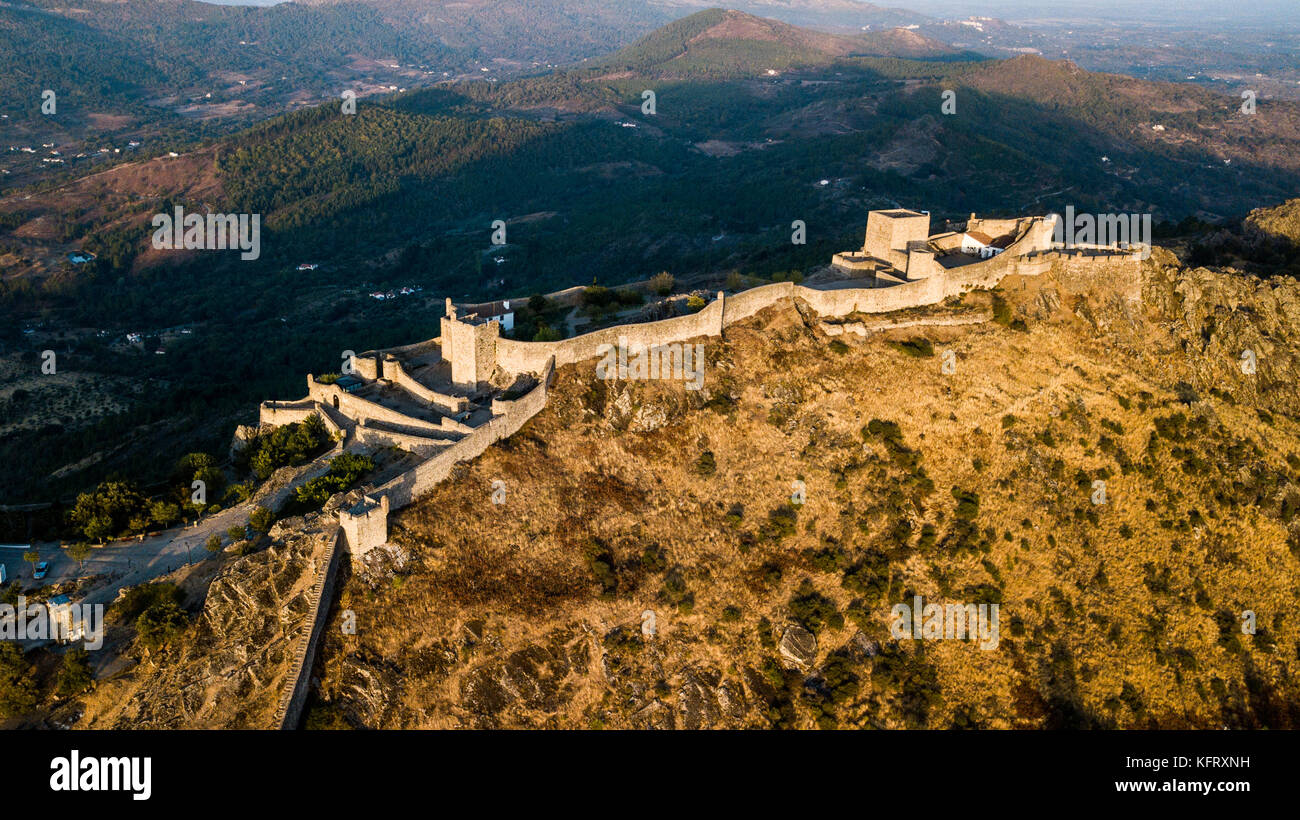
(899,248)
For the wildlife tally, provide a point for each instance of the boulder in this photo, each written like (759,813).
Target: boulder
(798,645)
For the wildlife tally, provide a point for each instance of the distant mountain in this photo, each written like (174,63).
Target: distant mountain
(115,55)
(819,13)
(716,43)
(903,42)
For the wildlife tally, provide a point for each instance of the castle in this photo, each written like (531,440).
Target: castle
(898,247)
(444,399)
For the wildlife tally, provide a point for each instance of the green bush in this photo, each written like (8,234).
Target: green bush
(289,444)
(918,348)
(17,688)
(161,624)
(344,472)
(706,465)
(74,675)
(261,519)
(780,523)
(676,592)
(968,504)
(813,610)
(137,599)
(600,562)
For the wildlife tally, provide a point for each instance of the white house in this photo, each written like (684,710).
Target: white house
(978,243)
(493,312)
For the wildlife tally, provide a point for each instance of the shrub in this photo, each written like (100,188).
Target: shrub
(17,689)
(344,471)
(160,624)
(695,303)
(289,444)
(780,523)
(136,600)
(600,562)
(74,675)
(662,283)
(814,610)
(918,348)
(597,296)
(676,592)
(261,519)
(1001,310)
(654,558)
(706,464)
(968,504)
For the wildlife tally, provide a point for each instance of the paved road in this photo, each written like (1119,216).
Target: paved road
(127,563)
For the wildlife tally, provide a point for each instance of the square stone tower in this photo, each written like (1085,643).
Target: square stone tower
(470,344)
(889,232)
(365,525)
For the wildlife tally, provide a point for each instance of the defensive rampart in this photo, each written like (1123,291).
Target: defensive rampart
(509,417)
(289,712)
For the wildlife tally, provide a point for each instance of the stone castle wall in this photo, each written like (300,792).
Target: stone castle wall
(531,357)
(397,374)
(404,489)
(361,409)
(382,437)
(279,413)
(294,696)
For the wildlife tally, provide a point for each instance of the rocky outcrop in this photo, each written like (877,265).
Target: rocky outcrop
(231,665)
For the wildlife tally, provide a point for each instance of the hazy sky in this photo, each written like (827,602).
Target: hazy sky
(1285,13)
(1196,13)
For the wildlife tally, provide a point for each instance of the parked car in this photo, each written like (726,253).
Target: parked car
(41,568)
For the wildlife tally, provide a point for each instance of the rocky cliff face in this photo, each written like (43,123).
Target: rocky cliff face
(1238,334)
(1279,221)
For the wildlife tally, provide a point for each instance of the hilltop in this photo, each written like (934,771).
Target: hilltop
(969,482)
(628,497)
(719,43)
